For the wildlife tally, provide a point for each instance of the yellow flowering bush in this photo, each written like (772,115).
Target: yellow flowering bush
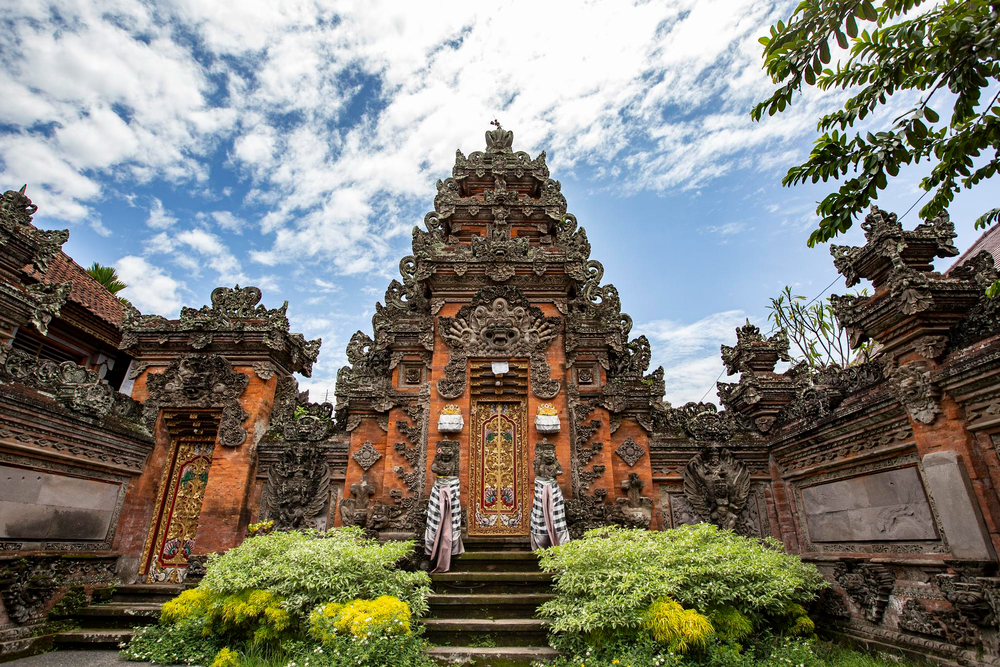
(681,629)
(262,528)
(190,605)
(385,615)
(226,658)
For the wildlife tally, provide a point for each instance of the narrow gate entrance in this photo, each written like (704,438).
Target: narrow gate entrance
(178,501)
(498,469)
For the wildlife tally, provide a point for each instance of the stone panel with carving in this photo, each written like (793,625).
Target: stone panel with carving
(890,505)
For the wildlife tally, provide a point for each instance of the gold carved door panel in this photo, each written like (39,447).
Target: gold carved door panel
(498,469)
(172,530)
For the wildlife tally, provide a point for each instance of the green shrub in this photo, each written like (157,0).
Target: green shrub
(605,582)
(254,601)
(171,644)
(766,651)
(308,568)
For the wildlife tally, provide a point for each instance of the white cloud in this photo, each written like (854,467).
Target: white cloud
(728,229)
(228,221)
(159,217)
(690,354)
(652,95)
(150,288)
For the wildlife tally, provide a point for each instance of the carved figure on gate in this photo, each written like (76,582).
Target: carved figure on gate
(717,486)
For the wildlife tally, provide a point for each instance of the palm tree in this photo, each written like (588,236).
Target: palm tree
(107,276)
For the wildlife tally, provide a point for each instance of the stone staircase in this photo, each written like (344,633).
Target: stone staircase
(484,609)
(110,618)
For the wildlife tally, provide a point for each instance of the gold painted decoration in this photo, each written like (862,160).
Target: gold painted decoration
(499,493)
(170,540)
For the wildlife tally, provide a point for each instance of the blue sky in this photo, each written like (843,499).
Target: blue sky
(294,145)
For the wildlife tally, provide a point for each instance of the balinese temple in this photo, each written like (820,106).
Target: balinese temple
(132,446)
(499,335)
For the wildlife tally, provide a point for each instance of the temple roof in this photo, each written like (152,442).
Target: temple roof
(86,291)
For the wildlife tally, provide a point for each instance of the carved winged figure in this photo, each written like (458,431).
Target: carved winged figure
(717,486)
(298,488)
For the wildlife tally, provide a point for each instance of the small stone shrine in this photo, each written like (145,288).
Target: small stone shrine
(132,446)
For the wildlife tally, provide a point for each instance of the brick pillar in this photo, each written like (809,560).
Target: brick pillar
(225,511)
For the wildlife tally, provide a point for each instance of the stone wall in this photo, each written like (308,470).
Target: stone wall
(885,474)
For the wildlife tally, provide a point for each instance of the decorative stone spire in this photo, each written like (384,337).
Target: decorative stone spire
(499,140)
(761,393)
(912,303)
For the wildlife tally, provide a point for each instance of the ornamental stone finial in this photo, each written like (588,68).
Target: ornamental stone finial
(499,140)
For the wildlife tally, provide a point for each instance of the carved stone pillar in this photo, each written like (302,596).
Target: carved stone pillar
(761,394)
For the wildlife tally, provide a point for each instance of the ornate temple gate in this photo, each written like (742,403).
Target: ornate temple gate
(499,484)
(181,491)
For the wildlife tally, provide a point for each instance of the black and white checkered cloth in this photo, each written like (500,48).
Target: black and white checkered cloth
(542,533)
(450,486)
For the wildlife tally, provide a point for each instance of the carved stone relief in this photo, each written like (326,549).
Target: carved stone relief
(298,489)
(889,505)
(498,323)
(717,486)
(201,381)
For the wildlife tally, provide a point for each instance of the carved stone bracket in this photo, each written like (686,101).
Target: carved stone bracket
(201,381)
(49,300)
(915,389)
(868,585)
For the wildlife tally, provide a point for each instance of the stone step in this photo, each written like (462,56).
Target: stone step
(495,561)
(503,656)
(92,638)
(472,605)
(487,633)
(115,615)
(147,592)
(480,543)
(491,582)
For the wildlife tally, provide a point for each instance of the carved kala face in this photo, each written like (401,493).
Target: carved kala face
(500,335)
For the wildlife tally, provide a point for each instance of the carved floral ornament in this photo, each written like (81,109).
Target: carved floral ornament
(201,381)
(630,452)
(916,390)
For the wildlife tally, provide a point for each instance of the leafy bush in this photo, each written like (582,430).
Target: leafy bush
(308,568)
(682,630)
(254,601)
(606,583)
(171,644)
(767,651)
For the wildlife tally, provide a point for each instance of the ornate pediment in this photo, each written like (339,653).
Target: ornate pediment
(498,323)
(201,381)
